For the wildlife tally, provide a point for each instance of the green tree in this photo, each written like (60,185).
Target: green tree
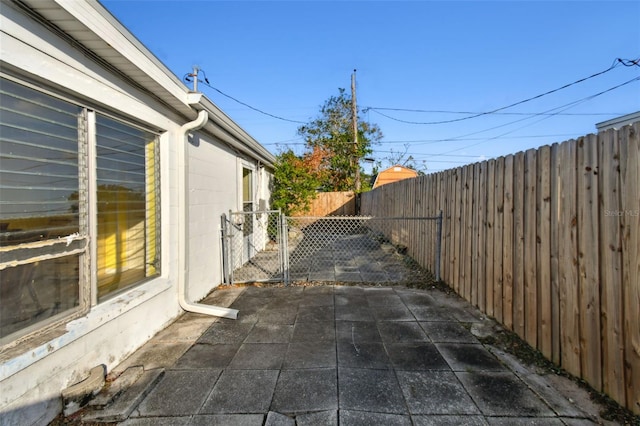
(329,137)
(294,183)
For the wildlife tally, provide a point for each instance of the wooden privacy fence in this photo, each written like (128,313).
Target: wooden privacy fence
(546,241)
(331,204)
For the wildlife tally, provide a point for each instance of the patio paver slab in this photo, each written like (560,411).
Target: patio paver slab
(259,356)
(311,355)
(435,392)
(305,391)
(416,356)
(363,418)
(469,357)
(179,393)
(242,392)
(503,394)
(375,391)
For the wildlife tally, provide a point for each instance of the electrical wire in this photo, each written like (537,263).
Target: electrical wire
(206,83)
(286,142)
(546,114)
(432,141)
(630,62)
(497,113)
(424,154)
(616,62)
(561,108)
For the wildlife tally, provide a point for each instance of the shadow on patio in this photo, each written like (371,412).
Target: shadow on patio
(322,355)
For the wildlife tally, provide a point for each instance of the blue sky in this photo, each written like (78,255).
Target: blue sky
(287,58)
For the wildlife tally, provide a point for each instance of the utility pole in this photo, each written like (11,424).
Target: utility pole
(354,122)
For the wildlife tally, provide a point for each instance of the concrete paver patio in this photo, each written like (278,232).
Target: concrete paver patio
(328,355)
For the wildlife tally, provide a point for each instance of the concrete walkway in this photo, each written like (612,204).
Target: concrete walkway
(329,355)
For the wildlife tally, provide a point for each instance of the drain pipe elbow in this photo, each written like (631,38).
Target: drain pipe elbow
(183,226)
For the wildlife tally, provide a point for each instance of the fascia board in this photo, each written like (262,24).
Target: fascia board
(619,121)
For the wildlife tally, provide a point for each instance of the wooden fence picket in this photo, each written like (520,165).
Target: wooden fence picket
(543,251)
(556,351)
(490,235)
(589,259)
(530,283)
(507,244)
(613,344)
(498,241)
(518,303)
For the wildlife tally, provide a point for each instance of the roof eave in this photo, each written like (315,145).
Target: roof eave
(142,67)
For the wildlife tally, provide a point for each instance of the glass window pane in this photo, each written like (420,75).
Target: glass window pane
(127,182)
(39,200)
(36,292)
(39,181)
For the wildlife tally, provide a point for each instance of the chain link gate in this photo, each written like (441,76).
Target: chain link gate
(267,246)
(253,246)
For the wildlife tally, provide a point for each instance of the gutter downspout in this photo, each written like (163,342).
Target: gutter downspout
(183,225)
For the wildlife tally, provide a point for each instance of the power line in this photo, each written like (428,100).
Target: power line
(446,161)
(206,83)
(615,63)
(454,139)
(566,106)
(287,142)
(432,141)
(630,62)
(435,111)
(425,154)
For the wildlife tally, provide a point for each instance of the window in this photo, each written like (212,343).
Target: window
(45,228)
(247,206)
(127,205)
(247,190)
(39,203)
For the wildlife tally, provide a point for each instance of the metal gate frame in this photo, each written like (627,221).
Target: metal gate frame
(236,252)
(272,268)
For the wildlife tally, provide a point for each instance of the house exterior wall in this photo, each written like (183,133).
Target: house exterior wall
(215,188)
(33,373)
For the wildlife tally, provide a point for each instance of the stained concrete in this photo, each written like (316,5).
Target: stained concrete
(348,355)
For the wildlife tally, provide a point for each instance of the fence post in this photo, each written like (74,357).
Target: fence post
(438,246)
(284,248)
(225,249)
(231,238)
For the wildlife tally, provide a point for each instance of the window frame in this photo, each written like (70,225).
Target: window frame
(247,172)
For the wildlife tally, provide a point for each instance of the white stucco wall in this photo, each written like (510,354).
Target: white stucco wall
(212,192)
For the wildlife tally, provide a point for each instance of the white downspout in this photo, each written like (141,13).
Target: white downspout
(183,225)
